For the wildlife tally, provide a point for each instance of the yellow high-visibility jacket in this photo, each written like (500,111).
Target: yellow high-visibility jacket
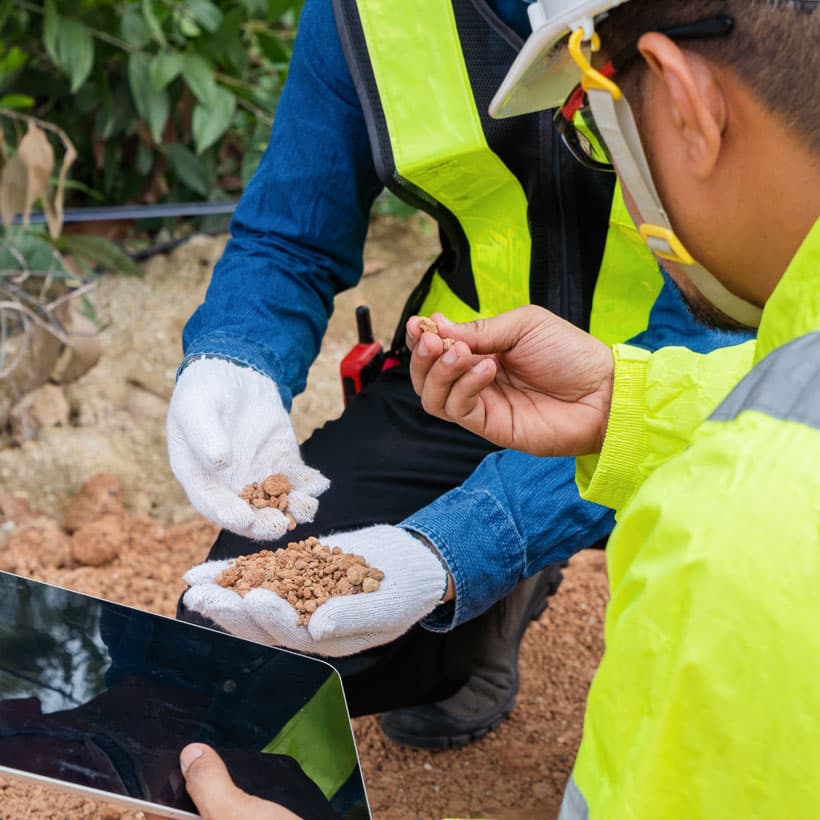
(706,703)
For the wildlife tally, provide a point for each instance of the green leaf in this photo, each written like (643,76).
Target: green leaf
(187,167)
(16,101)
(100,251)
(133,28)
(73,184)
(75,50)
(188,27)
(227,44)
(153,24)
(153,106)
(69,43)
(209,122)
(164,68)
(272,47)
(200,78)
(28,244)
(12,60)
(205,13)
(50,28)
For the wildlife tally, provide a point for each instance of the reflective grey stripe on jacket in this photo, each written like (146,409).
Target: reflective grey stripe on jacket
(785,385)
(573,806)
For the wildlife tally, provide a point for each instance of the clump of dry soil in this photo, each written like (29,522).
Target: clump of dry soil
(270,492)
(305,573)
(429,326)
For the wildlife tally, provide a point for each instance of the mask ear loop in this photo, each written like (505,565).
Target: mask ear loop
(616,124)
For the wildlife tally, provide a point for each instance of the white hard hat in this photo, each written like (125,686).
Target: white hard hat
(543,74)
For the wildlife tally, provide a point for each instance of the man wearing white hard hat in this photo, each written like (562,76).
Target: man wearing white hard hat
(705,704)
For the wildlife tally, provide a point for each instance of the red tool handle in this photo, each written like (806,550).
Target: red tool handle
(364,361)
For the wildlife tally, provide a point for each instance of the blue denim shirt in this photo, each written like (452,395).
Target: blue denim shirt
(297,239)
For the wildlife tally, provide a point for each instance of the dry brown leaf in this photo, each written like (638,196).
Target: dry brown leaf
(13,189)
(37,155)
(54,216)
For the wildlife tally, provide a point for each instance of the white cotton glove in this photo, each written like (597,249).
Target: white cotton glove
(414,583)
(227,427)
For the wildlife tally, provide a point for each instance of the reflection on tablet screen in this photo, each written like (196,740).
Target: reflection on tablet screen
(105,696)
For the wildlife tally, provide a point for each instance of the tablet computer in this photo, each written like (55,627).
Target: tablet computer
(100,698)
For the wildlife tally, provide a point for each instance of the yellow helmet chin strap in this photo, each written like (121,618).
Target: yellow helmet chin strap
(616,124)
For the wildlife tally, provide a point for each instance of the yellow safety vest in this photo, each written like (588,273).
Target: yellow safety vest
(521,221)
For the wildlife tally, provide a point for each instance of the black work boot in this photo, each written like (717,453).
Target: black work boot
(488,697)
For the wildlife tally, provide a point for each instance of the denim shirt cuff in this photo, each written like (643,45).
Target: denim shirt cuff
(241,352)
(483,574)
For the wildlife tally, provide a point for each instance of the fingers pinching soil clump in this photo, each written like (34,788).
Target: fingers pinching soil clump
(429,326)
(306,574)
(271,492)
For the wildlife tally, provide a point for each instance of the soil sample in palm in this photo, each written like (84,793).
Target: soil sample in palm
(270,492)
(305,573)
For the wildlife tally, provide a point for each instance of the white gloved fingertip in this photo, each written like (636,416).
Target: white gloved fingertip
(302,507)
(206,573)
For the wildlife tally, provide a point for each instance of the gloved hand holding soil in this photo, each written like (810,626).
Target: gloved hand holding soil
(227,427)
(259,596)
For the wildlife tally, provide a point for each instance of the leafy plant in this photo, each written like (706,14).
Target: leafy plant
(42,270)
(161,98)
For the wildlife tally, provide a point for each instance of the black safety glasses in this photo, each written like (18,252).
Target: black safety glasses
(574,120)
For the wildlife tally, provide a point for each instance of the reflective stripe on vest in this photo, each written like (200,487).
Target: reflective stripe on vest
(319,738)
(785,385)
(465,176)
(573,806)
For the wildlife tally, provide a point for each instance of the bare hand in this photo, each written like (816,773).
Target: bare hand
(215,794)
(527,380)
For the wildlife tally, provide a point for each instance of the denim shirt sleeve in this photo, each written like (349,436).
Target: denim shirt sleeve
(512,517)
(517,513)
(298,232)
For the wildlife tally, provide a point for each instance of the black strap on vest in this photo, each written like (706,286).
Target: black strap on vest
(568,205)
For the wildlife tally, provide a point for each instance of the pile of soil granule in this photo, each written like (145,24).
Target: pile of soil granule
(305,573)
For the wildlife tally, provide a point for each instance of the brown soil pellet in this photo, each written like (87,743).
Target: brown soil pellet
(429,326)
(305,573)
(270,492)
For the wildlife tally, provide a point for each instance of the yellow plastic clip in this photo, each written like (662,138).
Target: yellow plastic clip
(677,252)
(590,77)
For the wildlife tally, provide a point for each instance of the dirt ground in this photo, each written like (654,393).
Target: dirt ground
(133,534)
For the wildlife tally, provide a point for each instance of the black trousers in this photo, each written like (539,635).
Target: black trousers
(386,458)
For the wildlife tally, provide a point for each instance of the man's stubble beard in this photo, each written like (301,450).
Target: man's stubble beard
(702,310)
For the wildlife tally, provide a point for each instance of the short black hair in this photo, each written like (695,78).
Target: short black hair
(774,47)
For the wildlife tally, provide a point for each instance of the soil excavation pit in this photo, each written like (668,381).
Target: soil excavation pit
(429,326)
(306,574)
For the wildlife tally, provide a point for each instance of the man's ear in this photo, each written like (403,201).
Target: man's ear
(698,105)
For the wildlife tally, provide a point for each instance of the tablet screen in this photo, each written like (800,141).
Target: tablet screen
(105,696)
